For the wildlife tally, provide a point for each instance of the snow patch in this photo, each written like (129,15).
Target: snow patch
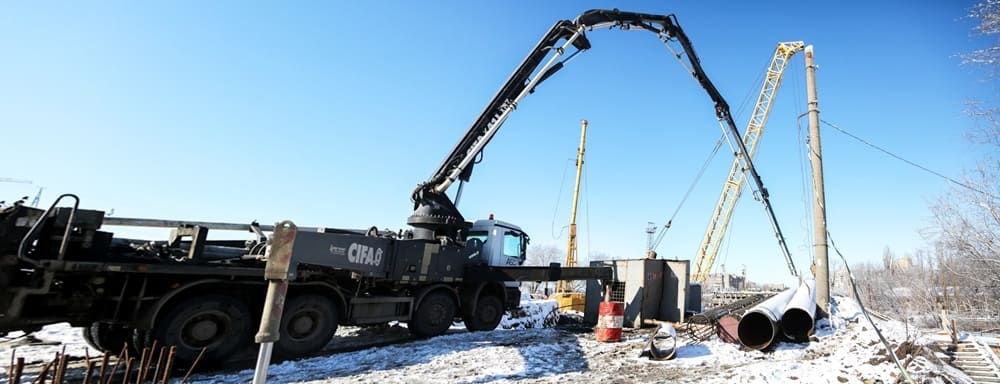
(844,349)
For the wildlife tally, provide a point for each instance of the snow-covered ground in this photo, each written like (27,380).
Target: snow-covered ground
(529,350)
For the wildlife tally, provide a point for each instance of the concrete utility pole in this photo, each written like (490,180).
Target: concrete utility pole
(821,265)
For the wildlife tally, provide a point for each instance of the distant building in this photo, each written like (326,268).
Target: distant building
(773,287)
(722,282)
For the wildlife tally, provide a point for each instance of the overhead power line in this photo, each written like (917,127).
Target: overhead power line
(900,158)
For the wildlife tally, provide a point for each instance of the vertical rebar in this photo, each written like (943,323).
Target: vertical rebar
(18,370)
(43,374)
(114,370)
(142,363)
(170,364)
(159,363)
(104,365)
(195,363)
(128,370)
(88,366)
(149,360)
(60,366)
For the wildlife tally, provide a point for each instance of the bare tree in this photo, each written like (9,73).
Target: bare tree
(902,288)
(961,271)
(542,255)
(965,226)
(987,17)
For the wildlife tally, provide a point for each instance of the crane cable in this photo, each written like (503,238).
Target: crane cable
(857,297)
(746,101)
(701,172)
(555,211)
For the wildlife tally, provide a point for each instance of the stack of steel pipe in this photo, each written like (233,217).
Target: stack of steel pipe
(726,318)
(791,311)
(798,320)
(759,326)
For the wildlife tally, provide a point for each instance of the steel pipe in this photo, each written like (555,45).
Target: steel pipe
(758,328)
(798,320)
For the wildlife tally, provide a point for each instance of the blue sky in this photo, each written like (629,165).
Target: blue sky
(330,113)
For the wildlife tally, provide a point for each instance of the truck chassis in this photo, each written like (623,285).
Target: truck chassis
(58,265)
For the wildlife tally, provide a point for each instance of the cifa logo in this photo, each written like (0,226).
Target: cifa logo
(363,254)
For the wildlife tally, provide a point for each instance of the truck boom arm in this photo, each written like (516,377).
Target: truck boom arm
(435,215)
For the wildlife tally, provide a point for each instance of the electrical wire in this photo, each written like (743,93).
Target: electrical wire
(857,297)
(726,246)
(802,141)
(900,158)
(555,211)
(739,111)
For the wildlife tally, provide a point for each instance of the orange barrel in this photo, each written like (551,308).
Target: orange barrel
(609,321)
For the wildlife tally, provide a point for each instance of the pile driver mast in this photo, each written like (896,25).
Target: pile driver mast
(564,286)
(734,183)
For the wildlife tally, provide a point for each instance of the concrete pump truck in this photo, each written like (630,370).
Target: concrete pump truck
(62,265)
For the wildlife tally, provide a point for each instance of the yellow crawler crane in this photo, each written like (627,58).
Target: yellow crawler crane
(567,299)
(734,184)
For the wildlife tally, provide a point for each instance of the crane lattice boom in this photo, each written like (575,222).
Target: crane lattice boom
(734,183)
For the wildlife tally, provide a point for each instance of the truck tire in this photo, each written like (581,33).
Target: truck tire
(487,315)
(434,315)
(107,337)
(217,323)
(308,323)
(88,336)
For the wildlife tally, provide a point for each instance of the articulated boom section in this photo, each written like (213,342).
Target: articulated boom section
(435,215)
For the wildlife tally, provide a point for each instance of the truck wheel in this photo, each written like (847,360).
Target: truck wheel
(434,315)
(489,311)
(217,323)
(107,338)
(308,323)
(88,336)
